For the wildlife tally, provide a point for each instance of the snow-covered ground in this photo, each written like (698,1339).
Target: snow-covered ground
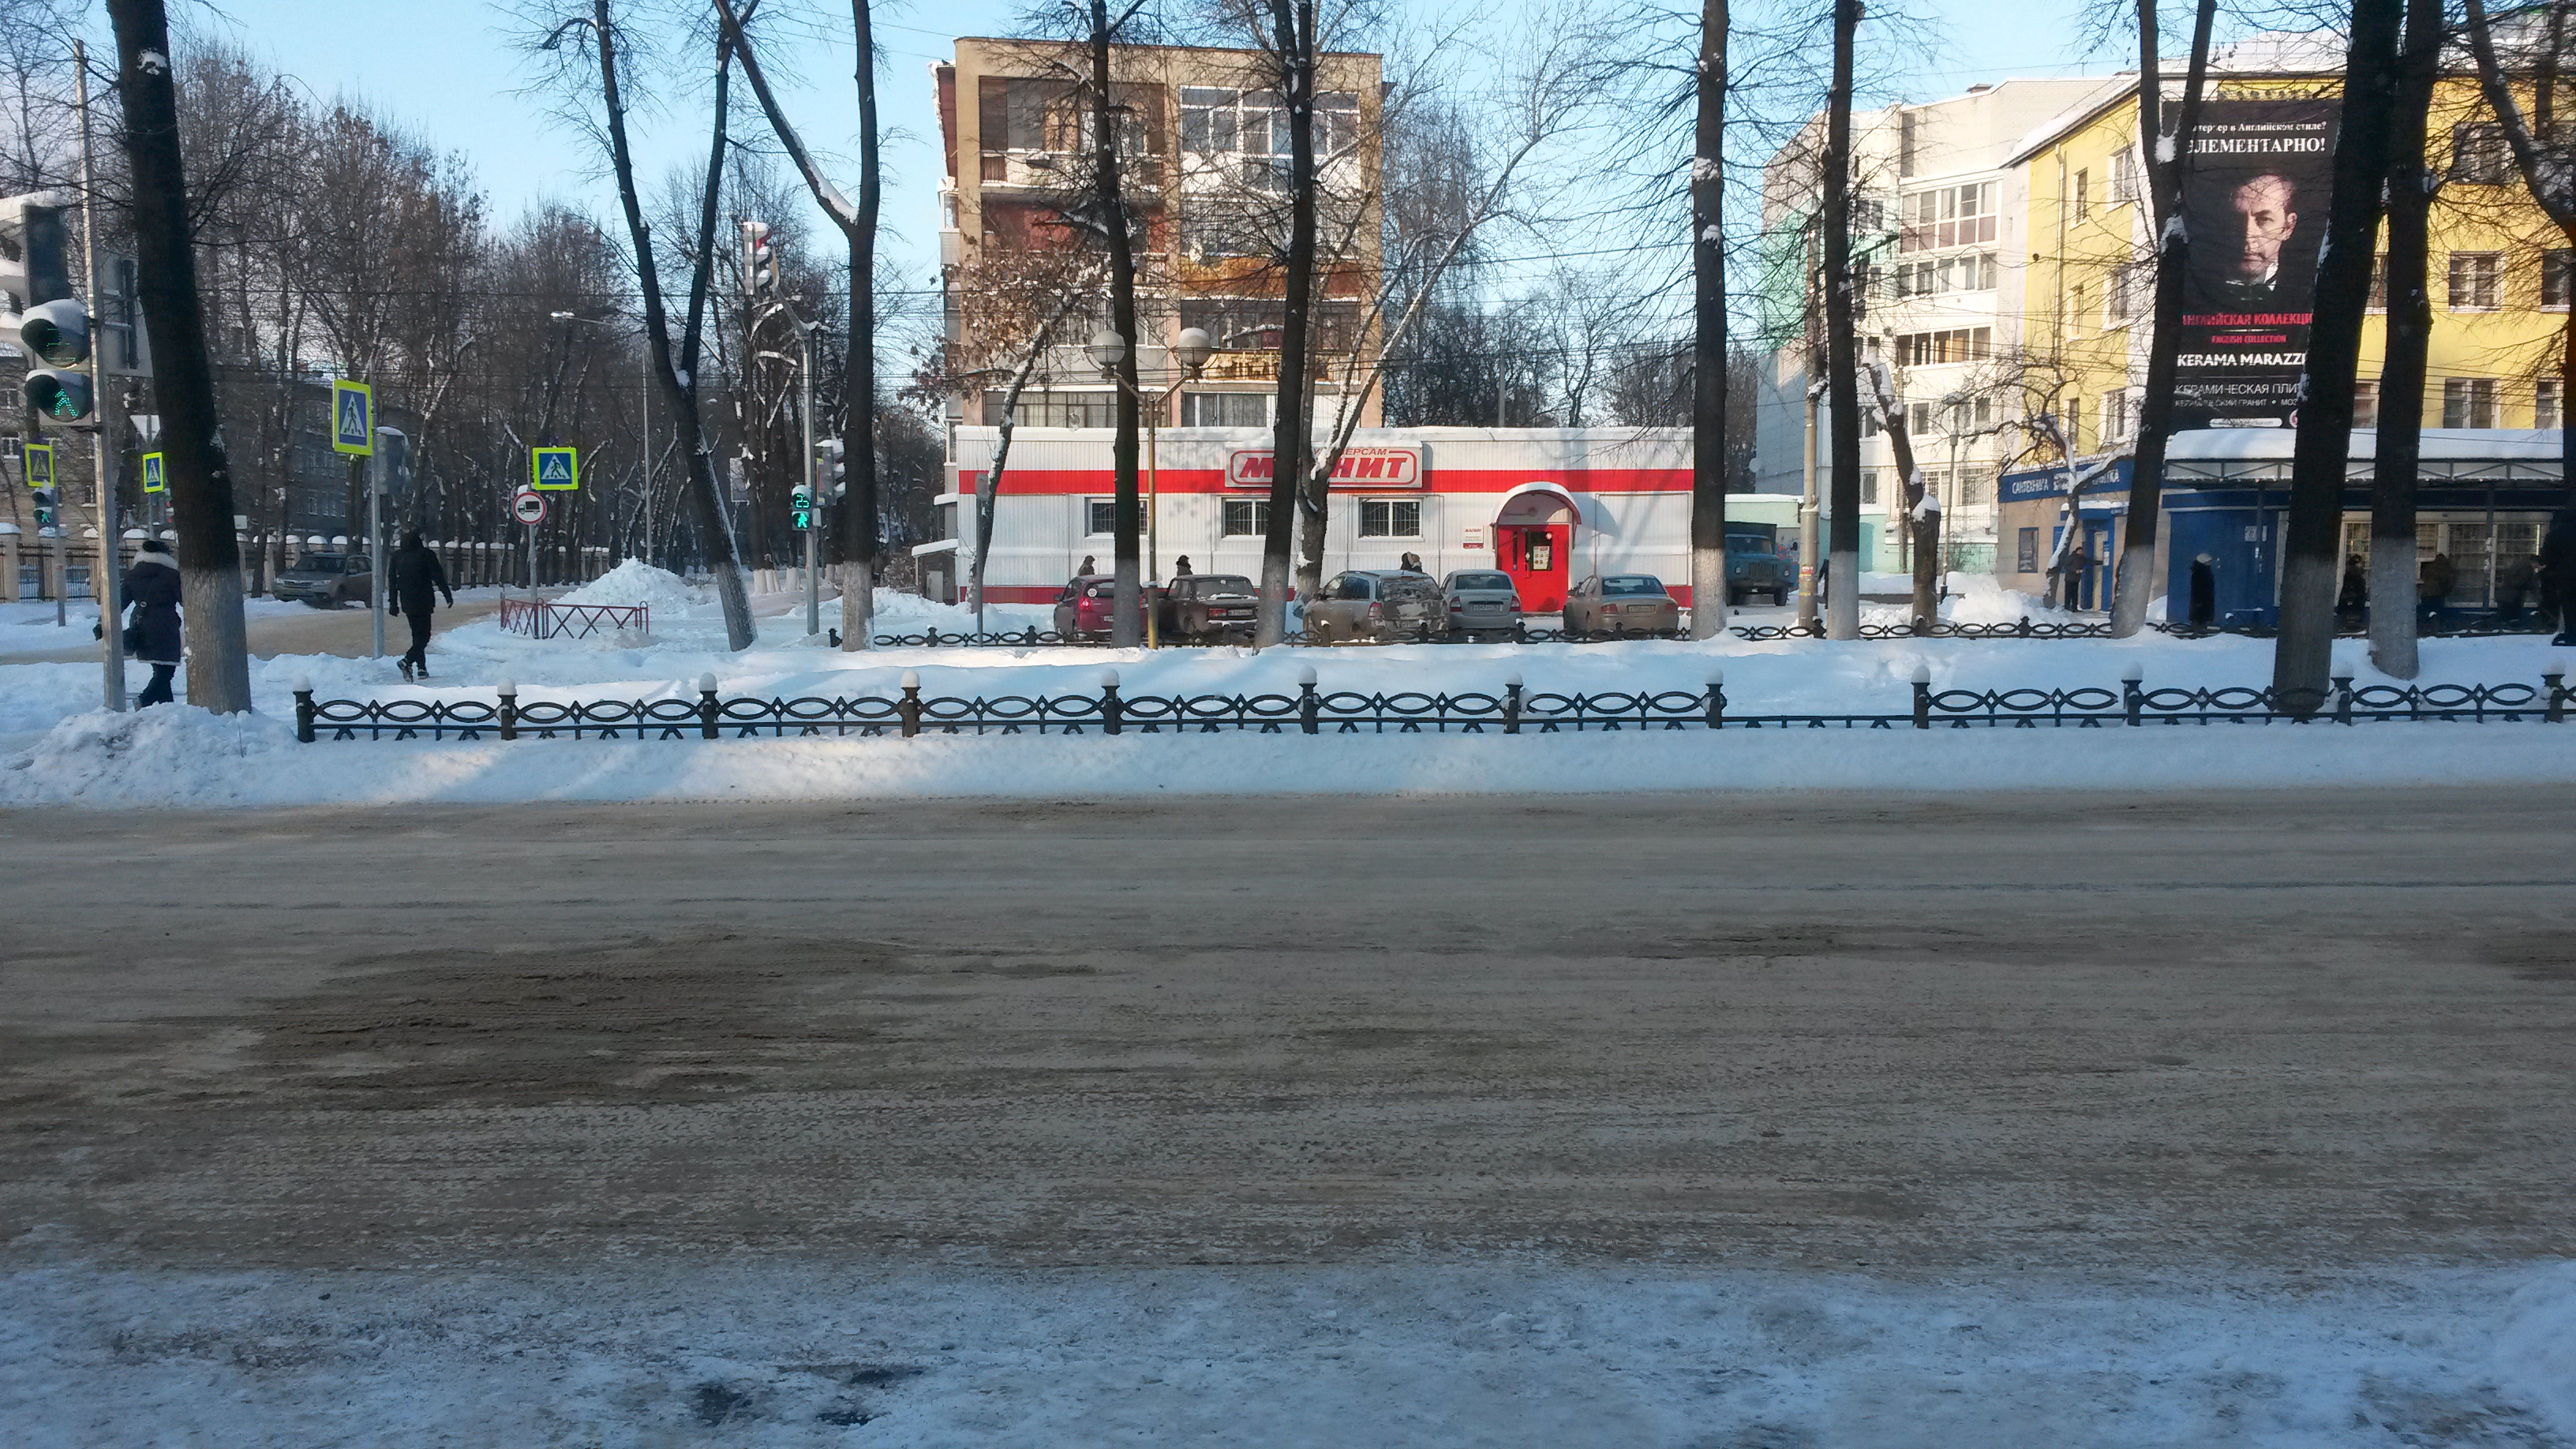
(1409,1352)
(54,746)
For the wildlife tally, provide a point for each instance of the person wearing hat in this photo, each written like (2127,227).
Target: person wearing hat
(417,578)
(152,635)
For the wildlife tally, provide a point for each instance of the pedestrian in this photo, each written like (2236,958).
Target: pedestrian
(1181,567)
(152,587)
(2352,600)
(2513,589)
(2204,593)
(2071,577)
(2558,572)
(2433,586)
(1089,567)
(417,574)
(1412,564)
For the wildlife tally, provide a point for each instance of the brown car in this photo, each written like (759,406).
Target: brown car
(1621,604)
(1379,607)
(1209,607)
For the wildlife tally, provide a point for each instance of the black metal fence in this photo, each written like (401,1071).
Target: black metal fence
(1311,710)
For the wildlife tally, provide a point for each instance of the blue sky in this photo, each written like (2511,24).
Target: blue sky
(449,69)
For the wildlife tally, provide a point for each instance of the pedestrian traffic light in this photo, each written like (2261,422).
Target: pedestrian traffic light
(800,507)
(35,261)
(56,333)
(831,474)
(44,498)
(759,263)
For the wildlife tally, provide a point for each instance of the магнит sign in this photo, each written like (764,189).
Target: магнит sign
(1357,468)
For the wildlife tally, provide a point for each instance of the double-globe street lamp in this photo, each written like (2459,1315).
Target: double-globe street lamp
(1107,350)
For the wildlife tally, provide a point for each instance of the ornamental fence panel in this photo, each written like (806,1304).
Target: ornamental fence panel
(2024,628)
(555,619)
(1513,710)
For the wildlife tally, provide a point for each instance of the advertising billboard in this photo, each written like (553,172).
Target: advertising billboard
(2255,202)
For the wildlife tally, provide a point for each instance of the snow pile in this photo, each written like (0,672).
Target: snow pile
(173,754)
(1979,599)
(637,582)
(2537,1349)
(665,1348)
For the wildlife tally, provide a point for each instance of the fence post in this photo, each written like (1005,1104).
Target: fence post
(2131,696)
(1923,696)
(1111,709)
(509,709)
(1716,698)
(303,709)
(910,709)
(707,705)
(2343,697)
(2557,682)
(2025,626)
(1511,704)
(1309,706)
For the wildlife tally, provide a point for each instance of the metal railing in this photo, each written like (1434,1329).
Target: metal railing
(1513,710)
(2024,628)
(555,619)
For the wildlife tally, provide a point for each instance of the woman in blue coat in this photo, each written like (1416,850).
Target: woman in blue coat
(152,587)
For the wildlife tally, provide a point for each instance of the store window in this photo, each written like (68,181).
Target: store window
(1390,518)
(2026,552)
(1100,516)
(1247,517)
(1224,409)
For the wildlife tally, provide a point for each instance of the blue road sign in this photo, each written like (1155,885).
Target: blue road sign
(554,469)
(155,477)
(353,418)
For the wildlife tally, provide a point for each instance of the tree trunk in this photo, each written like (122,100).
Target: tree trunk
(1842,360)
(200,481)
(2133,577)
(2556,200)
(679,390)
(2410,331)
(2302,657)
(1708,331)
(1292,28)
(1126,629)
(859,395)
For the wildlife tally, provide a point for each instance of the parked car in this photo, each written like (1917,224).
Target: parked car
(1753,564)
(1482,604)
(1380,607)
(1209,607)
(1621,604)
(1088,603)
(327,580)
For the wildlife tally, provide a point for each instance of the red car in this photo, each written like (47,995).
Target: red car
(1083,610)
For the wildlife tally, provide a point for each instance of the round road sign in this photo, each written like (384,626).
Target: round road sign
(527,507)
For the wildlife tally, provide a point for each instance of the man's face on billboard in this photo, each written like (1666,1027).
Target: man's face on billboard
(2263,221)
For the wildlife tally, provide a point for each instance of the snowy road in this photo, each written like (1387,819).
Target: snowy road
(1633,1119)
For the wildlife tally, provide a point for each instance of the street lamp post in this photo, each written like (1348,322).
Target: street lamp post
(1107,349)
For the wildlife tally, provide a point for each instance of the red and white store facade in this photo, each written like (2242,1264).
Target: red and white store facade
(1547,505)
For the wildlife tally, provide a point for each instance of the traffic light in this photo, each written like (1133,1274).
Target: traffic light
(56,333)
(44,499)
(800,506)
(35,259)
(759,263)
(830,473)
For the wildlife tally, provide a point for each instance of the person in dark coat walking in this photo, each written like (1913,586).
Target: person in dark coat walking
(2558,572)
(152,588)
(417,575)
(2433,586)
(2352,600)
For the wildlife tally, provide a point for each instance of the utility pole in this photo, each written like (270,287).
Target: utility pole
(813,496)
(107,588)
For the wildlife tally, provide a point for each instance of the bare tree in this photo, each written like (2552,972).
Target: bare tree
(2168,162)
(2303,655)
(1709,373)
(2537,138)
(1842,354)
(2411,185)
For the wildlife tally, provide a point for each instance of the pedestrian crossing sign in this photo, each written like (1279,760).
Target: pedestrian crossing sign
(40,465)
(155,478)
(353,418)
(557,469)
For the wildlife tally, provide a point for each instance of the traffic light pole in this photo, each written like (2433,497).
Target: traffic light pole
(813,494)
(107,587)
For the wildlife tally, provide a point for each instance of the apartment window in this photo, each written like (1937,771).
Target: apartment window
(2365,404)
(2557,277)
(2083,303)
(1245,133)
(1947,216)
(1100,516)
(2474,277)
(1869,214)
(2115,416)
(2124,176)
(2479,154)
(2468,402)
(1247,517)
(2083,194)
(1390,518)
(1918,419)
(1976,485)
(1905,138)
(1869,485)
(1224,409)
(1054,410)
(1930,349)
(2547,407)
(1969,413)
(1972,272)
(2026,552)
(2122,292)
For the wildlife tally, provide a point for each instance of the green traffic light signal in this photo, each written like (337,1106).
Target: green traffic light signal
(62,396)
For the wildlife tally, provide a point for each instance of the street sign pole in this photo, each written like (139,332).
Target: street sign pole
(108,590)
(813,497)
(353,436)
(376,553)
